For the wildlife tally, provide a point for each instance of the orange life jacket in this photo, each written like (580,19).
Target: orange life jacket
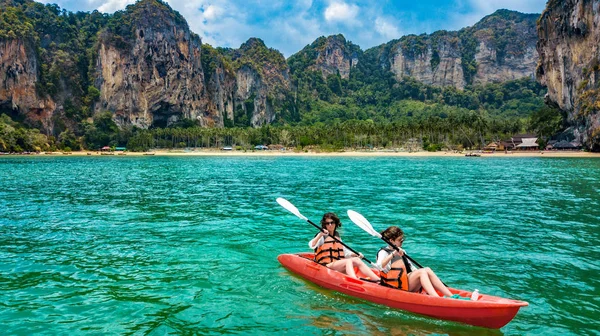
(329,252)
(397,276)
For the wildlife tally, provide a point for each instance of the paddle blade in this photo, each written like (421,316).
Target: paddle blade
(363,223)
(290,207)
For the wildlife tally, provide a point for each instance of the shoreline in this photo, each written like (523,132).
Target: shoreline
(276,153)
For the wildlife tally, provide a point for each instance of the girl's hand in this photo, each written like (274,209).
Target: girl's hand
(360,255)
(325,232)
(399,253)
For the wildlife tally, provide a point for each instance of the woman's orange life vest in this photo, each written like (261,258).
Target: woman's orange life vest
(329,252)
(397,276)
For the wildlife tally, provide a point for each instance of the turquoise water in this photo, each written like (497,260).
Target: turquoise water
(158,245)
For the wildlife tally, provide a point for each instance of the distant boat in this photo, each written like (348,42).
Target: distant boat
(473,154)
(148,153)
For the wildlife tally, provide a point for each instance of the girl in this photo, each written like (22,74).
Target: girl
(334,255)
(397,272)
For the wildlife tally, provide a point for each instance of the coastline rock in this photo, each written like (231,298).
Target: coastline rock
(569,64)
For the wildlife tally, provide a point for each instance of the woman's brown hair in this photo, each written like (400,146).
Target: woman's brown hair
(333,217)
(392,233)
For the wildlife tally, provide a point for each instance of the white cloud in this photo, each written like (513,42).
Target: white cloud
(111,6)
(212,12)
(290,25)
(386,28)
(341,11)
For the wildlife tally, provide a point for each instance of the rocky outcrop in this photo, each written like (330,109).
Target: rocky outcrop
(18,78)
(262,81)
(157,78)
(500,47)
(433,63)
(336,55)
(569,65)
(329,55)
(148,69)
(161,75)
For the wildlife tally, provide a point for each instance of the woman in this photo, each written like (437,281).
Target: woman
(334,255)
(397,272)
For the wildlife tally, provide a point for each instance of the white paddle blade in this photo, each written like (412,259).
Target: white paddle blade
(363,223)
(290,207)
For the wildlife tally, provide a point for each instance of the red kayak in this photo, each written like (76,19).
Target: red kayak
(488,311)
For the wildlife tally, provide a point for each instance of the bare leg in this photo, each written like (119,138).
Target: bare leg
(343,266)
(365,269)
(350,268)
(420,278)
(437,283)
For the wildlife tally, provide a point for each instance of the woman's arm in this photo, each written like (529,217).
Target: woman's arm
(383,260)
(317,241)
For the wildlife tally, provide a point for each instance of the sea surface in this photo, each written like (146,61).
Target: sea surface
(189,245)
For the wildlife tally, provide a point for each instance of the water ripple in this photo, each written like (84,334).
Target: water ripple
(159,245)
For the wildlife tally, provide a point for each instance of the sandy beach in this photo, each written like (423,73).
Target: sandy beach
(382,153)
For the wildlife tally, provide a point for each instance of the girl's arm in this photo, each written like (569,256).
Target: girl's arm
(383,259)
(317,241)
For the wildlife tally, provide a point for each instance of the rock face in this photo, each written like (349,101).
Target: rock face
(329,55)
(500,47)
(158,79)
(336,55)
(439,64)
(262,81)
(148,69)
(18,78)
(163,77)
(569,65)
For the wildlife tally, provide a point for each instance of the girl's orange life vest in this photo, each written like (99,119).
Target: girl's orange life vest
(397,276)
(330,251)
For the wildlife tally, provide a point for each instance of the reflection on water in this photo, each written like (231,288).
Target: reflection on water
(159,245)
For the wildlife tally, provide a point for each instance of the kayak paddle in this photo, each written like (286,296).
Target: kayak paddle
(291,208)
(364,224)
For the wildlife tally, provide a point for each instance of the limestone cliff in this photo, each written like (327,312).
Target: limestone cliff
(18,78)
(498,48)
(262,85)
(336,55)
(569,64)
(154,76)
(329,55)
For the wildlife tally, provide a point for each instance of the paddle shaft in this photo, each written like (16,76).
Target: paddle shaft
(407,256)
(339,241)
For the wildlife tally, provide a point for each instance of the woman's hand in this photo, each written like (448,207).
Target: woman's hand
(360,255)
(325,232)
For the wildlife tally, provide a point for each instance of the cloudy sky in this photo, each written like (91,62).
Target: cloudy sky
(290,25)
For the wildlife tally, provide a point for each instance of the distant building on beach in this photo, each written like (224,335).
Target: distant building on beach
(521,142)
(528,144)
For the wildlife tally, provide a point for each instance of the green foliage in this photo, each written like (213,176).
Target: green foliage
(103,131)
(14,24)
(414,45)
(468,51)
(435,59)
(546,122)
(14,137)
(358,108)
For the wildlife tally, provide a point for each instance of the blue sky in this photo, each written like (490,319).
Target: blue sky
(288,26)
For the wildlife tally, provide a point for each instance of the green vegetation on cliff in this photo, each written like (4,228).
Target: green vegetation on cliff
(369,107)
